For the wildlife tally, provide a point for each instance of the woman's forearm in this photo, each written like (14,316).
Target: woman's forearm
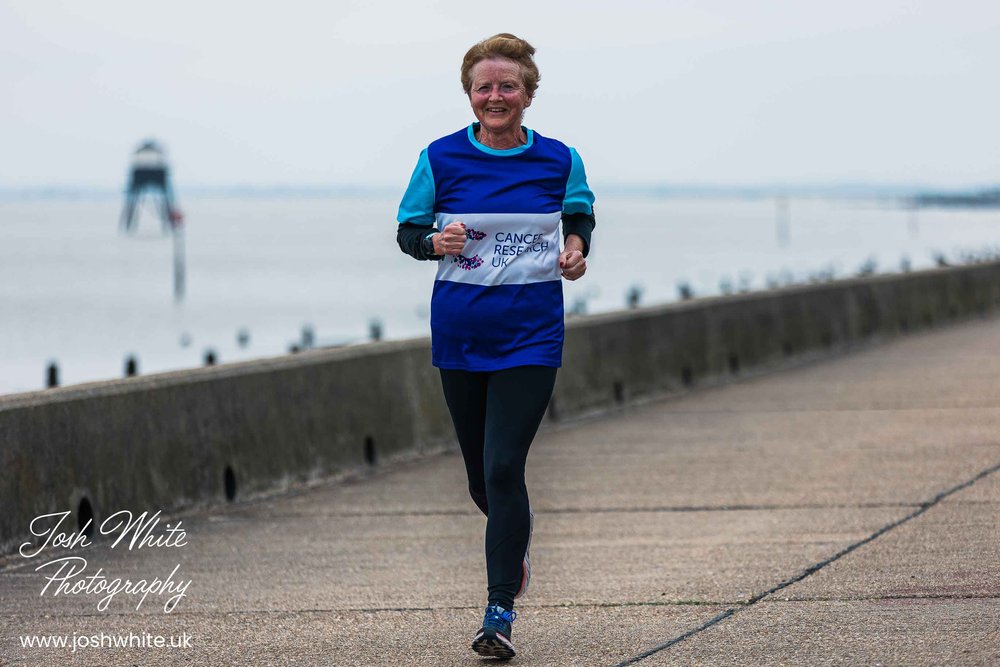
(410,239)
(574,242)
(580,225)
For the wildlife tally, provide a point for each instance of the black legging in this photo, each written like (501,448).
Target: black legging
(496,415)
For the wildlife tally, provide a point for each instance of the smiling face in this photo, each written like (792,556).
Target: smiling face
(498,95)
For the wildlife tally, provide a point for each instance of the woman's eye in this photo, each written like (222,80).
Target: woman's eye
(507,88)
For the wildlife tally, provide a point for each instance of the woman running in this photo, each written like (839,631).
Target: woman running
(486,203)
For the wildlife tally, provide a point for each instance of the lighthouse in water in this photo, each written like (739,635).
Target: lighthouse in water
(149,175)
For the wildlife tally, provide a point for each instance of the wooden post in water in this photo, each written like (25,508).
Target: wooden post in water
(179,263)
(782,220)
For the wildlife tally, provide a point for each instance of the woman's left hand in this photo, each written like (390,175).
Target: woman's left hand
(572,264)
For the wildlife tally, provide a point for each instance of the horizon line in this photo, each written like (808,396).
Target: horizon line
(649,188)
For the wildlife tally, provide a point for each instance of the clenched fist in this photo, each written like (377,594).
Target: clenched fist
(450,240)
(572,265)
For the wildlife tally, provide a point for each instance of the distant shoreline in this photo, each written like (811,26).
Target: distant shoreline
(913,195)
(982,199)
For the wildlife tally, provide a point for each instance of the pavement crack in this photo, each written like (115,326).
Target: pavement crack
(577,510)
(724,508)
(812,569)
(378,610)
(876,598)
(846,408)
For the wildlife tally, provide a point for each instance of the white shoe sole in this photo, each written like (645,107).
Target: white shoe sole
(526,564)
(494,646)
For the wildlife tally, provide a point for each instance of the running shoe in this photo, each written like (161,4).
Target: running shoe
(526,564)
(493,639)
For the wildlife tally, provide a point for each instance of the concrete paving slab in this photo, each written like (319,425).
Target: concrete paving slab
(432,485)
(925,592)
(709,498)
(654,457)
(903,633)
(343,563)
(551,636)
(241,561)
(952,550)
(657,457)
(986,490)
(685,556)
(932,369)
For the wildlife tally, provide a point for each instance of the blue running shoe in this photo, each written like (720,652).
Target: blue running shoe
(493,639)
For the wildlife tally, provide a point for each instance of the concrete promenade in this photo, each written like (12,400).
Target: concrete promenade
(846,512)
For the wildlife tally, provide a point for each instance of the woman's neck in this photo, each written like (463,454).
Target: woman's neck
(501,141)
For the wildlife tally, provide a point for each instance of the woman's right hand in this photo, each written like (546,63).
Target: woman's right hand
(450,240)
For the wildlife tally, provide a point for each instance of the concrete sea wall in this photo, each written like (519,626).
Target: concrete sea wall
(203,436)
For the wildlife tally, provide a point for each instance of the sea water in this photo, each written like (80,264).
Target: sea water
(76,291)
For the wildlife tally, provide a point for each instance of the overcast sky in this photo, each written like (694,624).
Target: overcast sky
(323,94)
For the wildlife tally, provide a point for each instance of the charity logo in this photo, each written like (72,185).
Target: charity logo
(474,234)
(468,263)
